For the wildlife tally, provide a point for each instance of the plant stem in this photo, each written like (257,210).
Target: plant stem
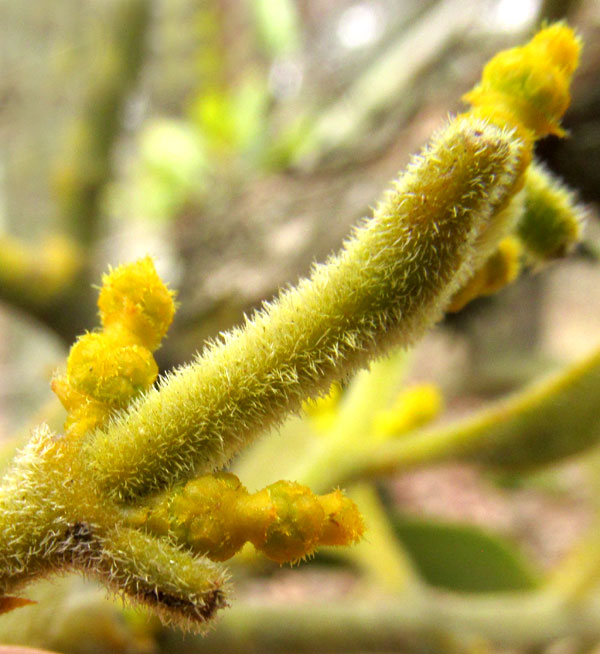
(385,288)
(532,428)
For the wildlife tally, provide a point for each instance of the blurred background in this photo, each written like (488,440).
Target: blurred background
(236,141)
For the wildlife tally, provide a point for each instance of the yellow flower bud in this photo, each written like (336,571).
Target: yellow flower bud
(215,515)
(99,367)
(134,297)
(499,270)
(530,84)
(414,407)
(552,220)
(107,369)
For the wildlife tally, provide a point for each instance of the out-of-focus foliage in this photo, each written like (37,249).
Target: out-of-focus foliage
(464,558)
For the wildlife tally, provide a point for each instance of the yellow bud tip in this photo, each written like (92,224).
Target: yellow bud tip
(134,298)
(560,44)
(305,521)
(529,85)
(343,522)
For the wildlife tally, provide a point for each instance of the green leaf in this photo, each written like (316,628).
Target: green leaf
(249,110)
(463,557)
(172,168)
(278,25)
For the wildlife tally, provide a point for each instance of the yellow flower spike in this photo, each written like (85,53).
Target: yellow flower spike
(68,396)
(206,513)
(86,417)
(134,298)
(215,515)
(84,413)
(529,85)
(500,269)
(414,407)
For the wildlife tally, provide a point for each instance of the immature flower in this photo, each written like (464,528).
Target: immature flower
(215,515)
(134,300)
(500,269)
(552,221)
(529,85)
(107,369)
(526,87)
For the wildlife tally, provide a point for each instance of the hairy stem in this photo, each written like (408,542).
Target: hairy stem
(388,284)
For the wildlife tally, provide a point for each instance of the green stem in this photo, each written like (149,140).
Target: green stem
(371,391)
(422,623)
(551,420)
(379,555)
(53,519)
(85,167)
(389,283)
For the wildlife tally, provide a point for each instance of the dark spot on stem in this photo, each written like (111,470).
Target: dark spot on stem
(79,543)
(81,532)
(203,610)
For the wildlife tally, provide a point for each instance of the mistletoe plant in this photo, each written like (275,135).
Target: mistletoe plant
(131,492)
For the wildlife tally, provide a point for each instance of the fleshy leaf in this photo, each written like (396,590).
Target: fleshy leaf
(464,557)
